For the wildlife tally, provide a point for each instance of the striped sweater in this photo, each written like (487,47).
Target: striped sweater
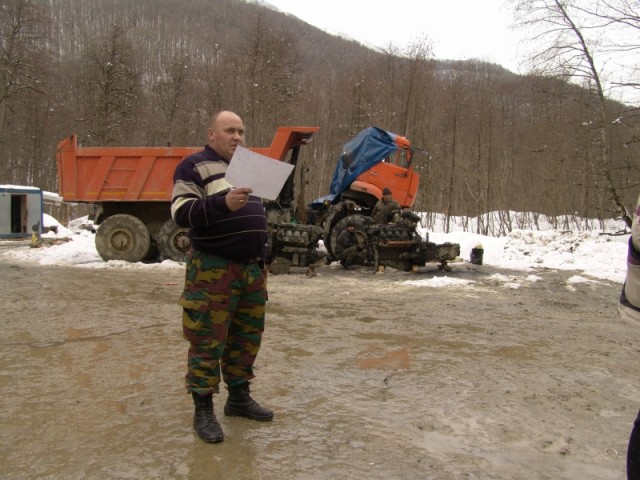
(198,203)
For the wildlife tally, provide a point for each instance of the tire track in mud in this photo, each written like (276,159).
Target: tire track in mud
(368,376)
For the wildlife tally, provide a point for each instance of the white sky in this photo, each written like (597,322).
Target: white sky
(458,30)
(594,257)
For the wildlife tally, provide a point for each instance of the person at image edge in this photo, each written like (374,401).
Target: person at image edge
(630,311)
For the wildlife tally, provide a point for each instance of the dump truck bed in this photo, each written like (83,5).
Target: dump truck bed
(126,174)
(95,174)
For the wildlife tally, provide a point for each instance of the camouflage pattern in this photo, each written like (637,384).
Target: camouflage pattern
(383,211)
(223,320)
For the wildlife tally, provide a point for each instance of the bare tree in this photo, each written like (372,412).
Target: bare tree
(24,39)
(169,98)
(269,74)
(417,77)
(110,86)
(621,18)
(22,45)
(565,34)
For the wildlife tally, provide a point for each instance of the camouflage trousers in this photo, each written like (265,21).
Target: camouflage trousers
(223,319)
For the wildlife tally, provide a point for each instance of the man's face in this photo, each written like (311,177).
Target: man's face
(386,197)
(226,133)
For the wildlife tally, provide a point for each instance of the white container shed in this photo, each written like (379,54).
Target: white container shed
(20,211)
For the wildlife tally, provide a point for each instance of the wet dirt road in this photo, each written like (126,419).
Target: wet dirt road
(513,377)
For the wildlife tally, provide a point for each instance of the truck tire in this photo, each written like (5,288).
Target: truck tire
(173,242)
(123,237)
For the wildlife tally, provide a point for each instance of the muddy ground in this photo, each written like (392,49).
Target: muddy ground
(509,377)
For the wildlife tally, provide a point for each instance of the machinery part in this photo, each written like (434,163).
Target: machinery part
(441,252)
(396,245)
(399,254)
(279,266)
(123,237)
(173,241)
(295,243)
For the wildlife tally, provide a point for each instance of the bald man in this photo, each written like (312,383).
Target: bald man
(224,297)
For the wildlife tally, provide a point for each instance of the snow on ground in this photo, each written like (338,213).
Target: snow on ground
(596,254)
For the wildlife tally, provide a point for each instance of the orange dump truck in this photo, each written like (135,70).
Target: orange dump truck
(132,187)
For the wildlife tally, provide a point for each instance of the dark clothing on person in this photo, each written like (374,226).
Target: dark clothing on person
(345,240)
(384,210)
(348,250)
(633,451)
(199,204)
(223,328)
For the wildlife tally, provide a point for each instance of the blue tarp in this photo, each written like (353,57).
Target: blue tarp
(366,149)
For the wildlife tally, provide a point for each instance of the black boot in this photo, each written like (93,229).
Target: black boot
(240,404)
(204,420)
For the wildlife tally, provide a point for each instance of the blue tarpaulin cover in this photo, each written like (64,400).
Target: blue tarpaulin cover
(366,149)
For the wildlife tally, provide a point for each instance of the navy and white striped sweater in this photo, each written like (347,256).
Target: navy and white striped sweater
(198,203)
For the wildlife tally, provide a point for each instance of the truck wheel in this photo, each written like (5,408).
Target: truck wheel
(123,237)
(173,241)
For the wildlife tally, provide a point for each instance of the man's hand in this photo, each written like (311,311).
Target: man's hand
(237,198)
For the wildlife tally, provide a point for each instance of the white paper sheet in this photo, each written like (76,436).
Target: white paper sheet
(264,175)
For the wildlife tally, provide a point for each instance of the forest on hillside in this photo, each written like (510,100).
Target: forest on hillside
(151,72)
